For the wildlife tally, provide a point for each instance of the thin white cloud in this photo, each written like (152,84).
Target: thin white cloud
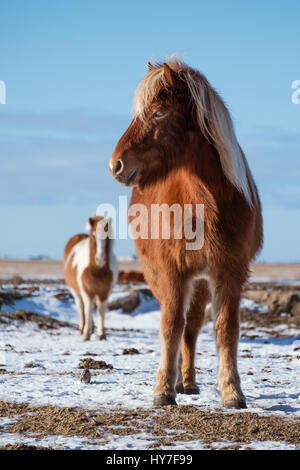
(74,120)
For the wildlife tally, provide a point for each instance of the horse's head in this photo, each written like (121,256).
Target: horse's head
(175,111)
(157,135)
(100,231)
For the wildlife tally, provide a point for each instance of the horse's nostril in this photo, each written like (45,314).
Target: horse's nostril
(119,167)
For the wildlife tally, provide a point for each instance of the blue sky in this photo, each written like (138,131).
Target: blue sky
(71,68)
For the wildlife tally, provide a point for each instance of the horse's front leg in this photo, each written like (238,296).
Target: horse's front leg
(88,317)
(172,325)
(101,307)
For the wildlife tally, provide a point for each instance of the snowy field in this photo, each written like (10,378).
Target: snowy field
(39,368)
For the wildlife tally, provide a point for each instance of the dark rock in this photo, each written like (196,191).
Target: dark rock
(128,304)
(131,351)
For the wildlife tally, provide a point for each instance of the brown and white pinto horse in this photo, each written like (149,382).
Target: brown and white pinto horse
(91,270)
(181,148)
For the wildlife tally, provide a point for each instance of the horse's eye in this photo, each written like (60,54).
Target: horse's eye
(158,114)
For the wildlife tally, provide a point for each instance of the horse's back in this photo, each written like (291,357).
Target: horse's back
(71,268)
(72,242)
(258,236)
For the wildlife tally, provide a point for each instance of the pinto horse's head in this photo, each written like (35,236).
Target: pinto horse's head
(158,132)
(100,233)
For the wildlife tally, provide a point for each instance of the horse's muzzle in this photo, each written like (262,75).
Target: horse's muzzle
(126,179)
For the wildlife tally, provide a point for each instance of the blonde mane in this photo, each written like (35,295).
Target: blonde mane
(213,118)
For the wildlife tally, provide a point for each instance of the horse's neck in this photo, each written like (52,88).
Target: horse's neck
(108,249)
(203,162)
(196,177)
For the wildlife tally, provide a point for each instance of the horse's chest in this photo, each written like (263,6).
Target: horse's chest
(97,282)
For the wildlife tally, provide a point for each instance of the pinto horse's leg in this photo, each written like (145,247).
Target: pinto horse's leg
(101,307)
(172,324)
(194,321)
(88,315)
(226,299)
(80,308)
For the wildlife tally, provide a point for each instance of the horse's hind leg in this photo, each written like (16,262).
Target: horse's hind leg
(179,385)
(194,321)
(172,324)
(226,299)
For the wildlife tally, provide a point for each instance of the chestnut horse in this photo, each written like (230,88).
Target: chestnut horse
(91,270)
(181,148)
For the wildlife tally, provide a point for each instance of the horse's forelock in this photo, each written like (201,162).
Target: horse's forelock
(147,90)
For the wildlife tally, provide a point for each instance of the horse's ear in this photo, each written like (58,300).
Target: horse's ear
(91,222)
(150,66)
(170,75)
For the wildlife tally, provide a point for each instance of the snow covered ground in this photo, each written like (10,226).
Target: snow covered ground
(41,368)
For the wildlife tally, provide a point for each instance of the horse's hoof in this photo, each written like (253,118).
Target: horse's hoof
(179,388)
(164,400)
(236,404)
(103,336)
(86,337)
(191,390)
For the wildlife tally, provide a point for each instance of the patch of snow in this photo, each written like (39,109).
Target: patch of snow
(251,305)
(268,366)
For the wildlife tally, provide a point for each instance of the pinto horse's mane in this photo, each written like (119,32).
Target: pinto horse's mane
(212,115)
